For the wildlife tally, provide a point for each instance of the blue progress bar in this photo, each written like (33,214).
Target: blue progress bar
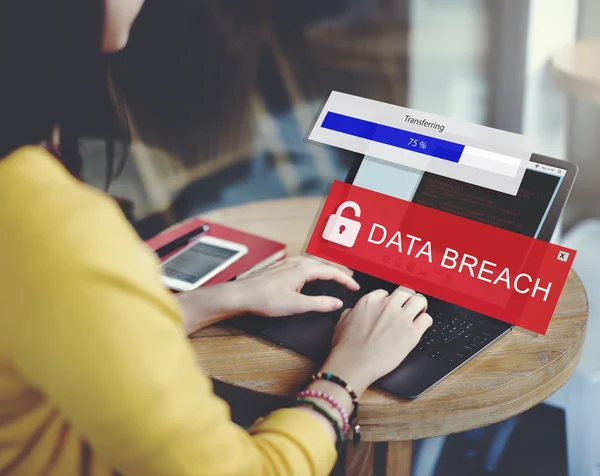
(391,136)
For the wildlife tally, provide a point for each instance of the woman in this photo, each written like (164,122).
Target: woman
(96,373)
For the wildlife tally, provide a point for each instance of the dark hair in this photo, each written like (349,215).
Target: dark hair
(53,74)
(189,73)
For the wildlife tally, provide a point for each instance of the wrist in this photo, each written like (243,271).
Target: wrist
(341,396)
(354,372)
(203,307)
(249,297)
(244,296)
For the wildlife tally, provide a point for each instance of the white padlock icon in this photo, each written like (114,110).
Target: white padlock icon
(342,230)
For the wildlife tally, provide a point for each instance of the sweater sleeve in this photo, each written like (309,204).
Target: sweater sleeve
(98,334)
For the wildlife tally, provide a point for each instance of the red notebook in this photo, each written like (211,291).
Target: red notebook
(262,252)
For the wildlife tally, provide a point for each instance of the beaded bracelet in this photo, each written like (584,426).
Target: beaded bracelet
(338,381)
(336,426)
(354,417)
(332,401)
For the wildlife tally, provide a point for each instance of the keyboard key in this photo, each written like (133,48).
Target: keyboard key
(454,358)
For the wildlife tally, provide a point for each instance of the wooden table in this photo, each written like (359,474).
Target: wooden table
(577,69)
(516,373)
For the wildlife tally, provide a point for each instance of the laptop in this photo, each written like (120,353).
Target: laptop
(458,334)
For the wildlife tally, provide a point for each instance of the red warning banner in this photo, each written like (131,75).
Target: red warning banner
(489,270)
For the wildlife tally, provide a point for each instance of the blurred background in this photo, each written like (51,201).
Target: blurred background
(221,94)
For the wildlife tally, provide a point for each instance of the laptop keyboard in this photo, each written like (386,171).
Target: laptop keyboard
(455,336)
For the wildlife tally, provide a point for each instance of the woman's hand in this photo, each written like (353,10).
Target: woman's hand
(272,292)
(372,339)
(275,291)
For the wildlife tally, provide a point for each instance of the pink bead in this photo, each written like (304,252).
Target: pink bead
(332,401)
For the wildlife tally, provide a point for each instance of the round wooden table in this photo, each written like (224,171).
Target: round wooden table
(577,69)
(516,373)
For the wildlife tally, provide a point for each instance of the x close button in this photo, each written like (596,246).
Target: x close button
(563,256)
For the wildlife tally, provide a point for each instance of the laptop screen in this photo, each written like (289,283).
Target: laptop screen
(524,213)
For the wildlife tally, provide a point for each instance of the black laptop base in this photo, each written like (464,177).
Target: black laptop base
(457,335)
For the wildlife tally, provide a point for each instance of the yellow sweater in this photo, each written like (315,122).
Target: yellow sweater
(96,374)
